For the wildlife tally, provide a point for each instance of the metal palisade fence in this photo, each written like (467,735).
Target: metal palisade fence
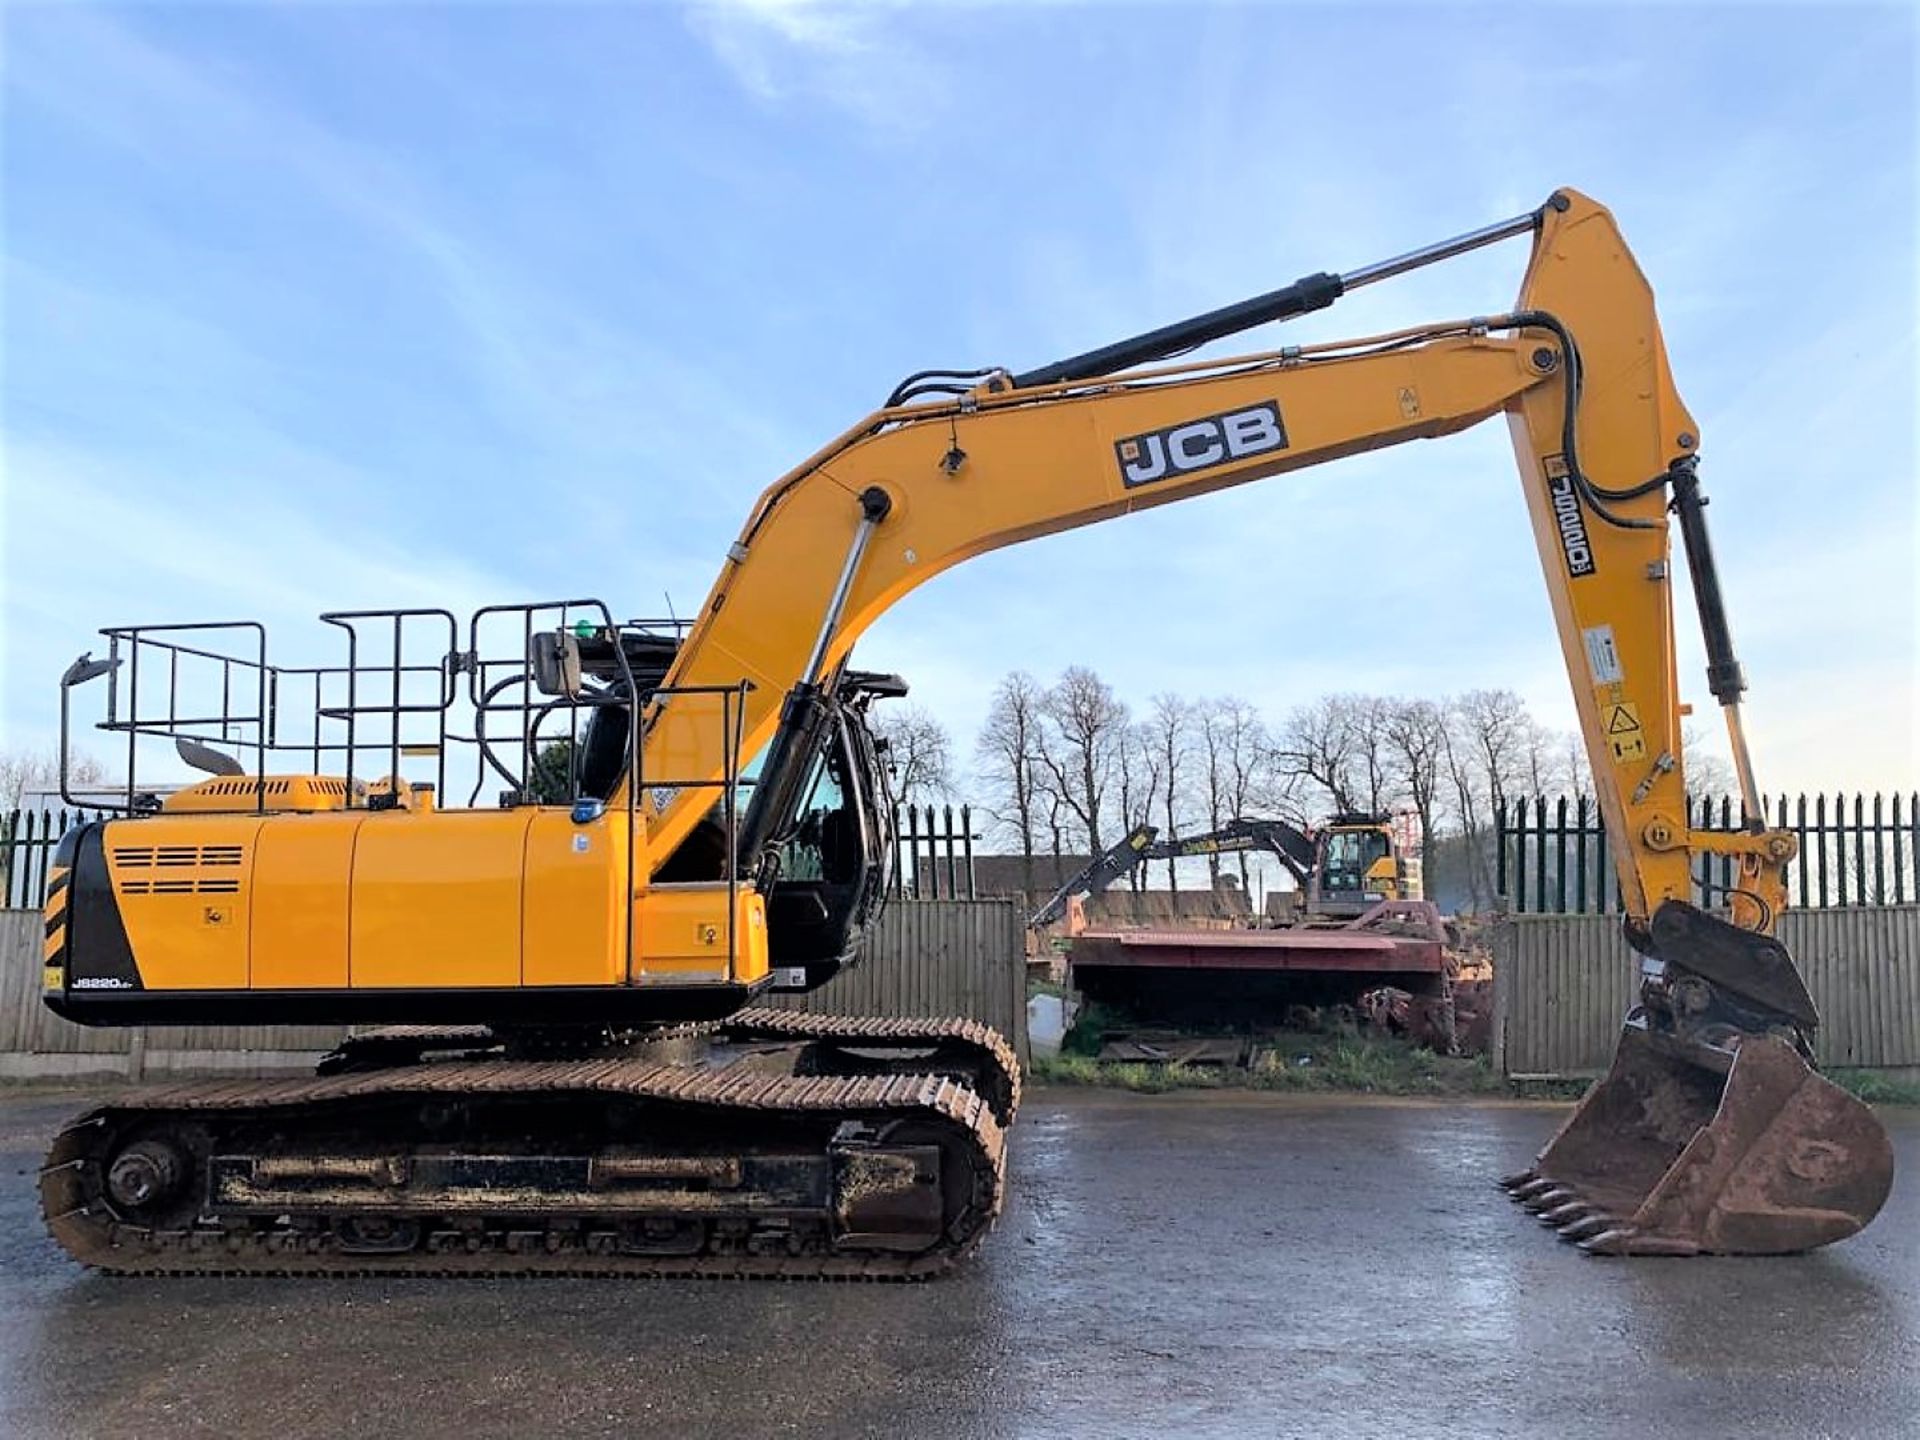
(933,857)
(27,842)
(933,852)
(1552,856)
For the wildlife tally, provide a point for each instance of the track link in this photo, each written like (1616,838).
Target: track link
(992,1069)
(915,1114)
(969,1049)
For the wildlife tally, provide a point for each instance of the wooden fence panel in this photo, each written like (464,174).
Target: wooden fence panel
(926,958)
(937,958)
(26,1025)
(1563,983)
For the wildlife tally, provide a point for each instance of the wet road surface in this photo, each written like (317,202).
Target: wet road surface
(1186,1265)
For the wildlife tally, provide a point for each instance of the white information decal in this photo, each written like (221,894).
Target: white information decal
(1602,658)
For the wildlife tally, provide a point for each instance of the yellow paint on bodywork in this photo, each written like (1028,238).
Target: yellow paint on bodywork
(574,928)
(680,935)
(302,874)
(437,898)
(185,892)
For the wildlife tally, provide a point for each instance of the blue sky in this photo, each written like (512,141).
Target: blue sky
(325,306)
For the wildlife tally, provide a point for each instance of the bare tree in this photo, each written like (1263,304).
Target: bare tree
(1170,728)
(1139,770)
(22,771)
(1317,745)
(1080,745)
(1057,815)
(1708,773)
(1497,733)
(1488,737)
(1215,772)
(1579,774)
(1006,749)
(1249,752)
(1414,733)
(1235,753)
(1545,755)
(919,752)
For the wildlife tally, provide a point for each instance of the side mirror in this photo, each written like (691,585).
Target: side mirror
(556,663)
(87,668)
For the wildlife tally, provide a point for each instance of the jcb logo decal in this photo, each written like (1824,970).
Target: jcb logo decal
(1200,444)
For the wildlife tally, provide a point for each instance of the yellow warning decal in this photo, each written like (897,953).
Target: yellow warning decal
(1625,738)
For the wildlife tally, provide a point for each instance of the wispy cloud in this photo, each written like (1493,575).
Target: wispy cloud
(852,57)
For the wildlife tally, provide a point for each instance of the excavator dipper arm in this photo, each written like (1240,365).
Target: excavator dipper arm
(1291,846)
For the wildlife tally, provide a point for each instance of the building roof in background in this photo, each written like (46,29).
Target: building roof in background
(1160,908)
(1005,874)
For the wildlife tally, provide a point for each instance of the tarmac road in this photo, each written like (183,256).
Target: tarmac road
(1187,1265)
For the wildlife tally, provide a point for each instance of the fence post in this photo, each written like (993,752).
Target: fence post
(1499,849)
(913,852)
(1503,951)
(1580,855)
(953,872)
(1879,854)
(899,878)
(1540,853)
(1726,823)
(1820,830)
(1800,834)
(1520,856)
(966,839)
(1859,848)
(1899,859)
(1560,873)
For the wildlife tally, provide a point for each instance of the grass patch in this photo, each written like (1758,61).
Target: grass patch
(1364,1065)
(1301,1062)
(1088,1033)
(1065,1069)
(1876,1087)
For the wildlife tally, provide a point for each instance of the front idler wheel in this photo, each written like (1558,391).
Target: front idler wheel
(147,1175)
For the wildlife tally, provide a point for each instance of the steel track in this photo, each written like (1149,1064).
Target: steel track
(962,1121)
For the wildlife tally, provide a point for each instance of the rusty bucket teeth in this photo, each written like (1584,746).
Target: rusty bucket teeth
(1517,1179)
(1566,1214)
(1626,1240)
(1592,1225)
(1616,1241)
(1549,1199)
(1670,1156)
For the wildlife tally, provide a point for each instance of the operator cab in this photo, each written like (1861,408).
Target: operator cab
(821,850)
(829,863)
(1350,851)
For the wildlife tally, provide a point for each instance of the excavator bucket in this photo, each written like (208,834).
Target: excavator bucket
(1666,1156)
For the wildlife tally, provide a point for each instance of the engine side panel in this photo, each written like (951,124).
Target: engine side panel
(302,873)
(437,899)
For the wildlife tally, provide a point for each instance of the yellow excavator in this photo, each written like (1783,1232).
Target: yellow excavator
(1342,868)
(573,1078)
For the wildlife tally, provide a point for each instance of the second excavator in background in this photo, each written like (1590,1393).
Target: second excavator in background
(1342,868)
